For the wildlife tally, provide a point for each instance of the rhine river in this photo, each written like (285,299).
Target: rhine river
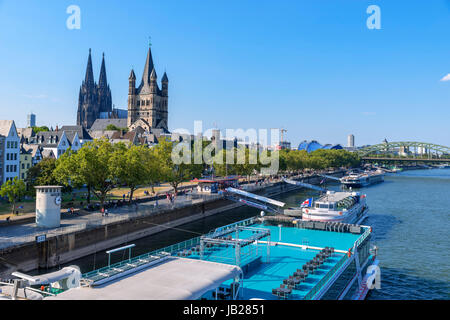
(410,217)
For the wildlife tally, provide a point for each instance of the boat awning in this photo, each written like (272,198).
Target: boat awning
(173,279)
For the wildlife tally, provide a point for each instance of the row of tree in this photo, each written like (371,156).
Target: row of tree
(101,166)
(295,160)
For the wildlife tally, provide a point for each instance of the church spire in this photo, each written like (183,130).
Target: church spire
(102,81)
(89,79)
(148,67)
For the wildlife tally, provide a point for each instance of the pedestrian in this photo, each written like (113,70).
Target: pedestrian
(106,212)
(8,218)
(103,211)
(72,211)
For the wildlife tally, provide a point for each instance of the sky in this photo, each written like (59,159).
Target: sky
(312,67)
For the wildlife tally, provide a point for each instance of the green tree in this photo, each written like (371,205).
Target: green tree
(175,173)
(90,166)
(133,166)
(36,130)
(42,173)
(14,190)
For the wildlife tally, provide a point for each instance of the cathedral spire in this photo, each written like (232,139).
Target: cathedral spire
(148,67)
(89,79)
(102,81)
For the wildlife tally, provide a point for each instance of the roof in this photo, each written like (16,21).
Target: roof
(30,148)
(83,134)
(173,279)
(101,124)
(5,126)
(47,153)
(313,145)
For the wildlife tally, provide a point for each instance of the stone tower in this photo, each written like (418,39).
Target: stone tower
(148,103)
(93,99)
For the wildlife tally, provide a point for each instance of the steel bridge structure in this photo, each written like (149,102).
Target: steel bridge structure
(405,151)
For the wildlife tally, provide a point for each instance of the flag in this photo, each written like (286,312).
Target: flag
(306,203)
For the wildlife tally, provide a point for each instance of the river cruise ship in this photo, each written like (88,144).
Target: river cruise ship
(261,258)
(364,179)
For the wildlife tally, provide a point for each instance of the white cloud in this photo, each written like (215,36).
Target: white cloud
(38,96)
(446,78)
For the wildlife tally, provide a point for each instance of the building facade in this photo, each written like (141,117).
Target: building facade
(351,141)
(10,150)
(60,140)
(26,161)
(31,120)
(94,99)
(148,104)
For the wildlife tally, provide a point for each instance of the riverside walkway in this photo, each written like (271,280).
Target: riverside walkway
(13,235)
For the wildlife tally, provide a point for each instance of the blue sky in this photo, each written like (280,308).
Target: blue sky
(311,67)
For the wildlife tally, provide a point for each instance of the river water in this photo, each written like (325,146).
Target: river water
(409,214)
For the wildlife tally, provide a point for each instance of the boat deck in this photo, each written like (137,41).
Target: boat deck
(287,254)
(265,262)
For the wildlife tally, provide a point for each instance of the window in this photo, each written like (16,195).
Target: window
(15,168)
(7,156)
(28,166)
(23,176)
(26,157)
(7,168)
(23,165)
(15,156)
(8,144)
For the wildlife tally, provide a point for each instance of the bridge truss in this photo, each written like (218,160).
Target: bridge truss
(428,150)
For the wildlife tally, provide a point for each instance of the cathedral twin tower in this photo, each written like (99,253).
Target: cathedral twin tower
(147,104)
(93,98)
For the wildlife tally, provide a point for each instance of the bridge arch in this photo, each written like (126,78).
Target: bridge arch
(420,148)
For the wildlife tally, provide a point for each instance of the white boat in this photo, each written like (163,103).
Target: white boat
(366,178)
(333,206)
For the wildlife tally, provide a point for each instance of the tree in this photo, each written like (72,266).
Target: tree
(90,166)
(14,190)
(42,173)
(175,173)
(112,127)
(36,130)
(133,166)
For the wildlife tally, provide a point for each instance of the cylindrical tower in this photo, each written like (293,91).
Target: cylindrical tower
(48,206)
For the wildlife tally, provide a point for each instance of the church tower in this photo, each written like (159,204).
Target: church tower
(148,103)
(93,99)
(104,93)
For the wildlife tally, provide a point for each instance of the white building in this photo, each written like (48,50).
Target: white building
(351,141)
(9,151)
(60,140)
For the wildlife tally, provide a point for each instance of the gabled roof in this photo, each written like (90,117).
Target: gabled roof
(33,149)
(5,127)
(47,153)
(101,124)
(83,134)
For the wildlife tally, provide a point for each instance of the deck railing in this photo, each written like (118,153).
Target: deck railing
(173,249)
(333,270)
(319,285)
